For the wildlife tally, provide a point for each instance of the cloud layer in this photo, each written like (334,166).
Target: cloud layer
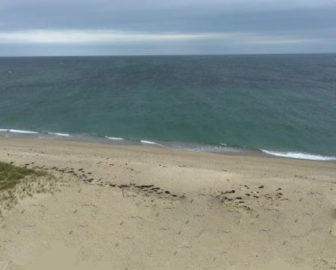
(111,37)
(43,27)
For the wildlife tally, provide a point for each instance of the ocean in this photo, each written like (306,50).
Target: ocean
(282,105)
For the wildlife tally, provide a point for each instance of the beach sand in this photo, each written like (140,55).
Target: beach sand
(133,207)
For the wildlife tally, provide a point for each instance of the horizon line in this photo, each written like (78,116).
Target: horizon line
(162,55)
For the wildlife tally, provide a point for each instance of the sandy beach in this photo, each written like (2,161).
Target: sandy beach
(134,207)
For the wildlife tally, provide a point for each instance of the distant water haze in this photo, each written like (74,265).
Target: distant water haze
(280,104)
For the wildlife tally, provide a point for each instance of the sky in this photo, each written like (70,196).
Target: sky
(166,27)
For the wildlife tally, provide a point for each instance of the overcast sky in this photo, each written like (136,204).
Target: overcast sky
(136,27)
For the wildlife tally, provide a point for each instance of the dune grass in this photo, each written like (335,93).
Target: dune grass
(19,182)
(11,175)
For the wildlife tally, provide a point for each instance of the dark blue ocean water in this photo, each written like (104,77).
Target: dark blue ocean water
(280,103)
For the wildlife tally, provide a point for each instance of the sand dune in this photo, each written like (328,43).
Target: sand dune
(132,207)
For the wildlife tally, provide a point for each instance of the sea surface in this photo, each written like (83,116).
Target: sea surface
(281,105)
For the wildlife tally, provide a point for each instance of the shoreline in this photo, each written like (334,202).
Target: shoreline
(137,207)
(184,146)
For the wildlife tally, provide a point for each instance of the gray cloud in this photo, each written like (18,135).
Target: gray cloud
(144,27)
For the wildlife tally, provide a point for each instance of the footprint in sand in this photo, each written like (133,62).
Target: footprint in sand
(333,229)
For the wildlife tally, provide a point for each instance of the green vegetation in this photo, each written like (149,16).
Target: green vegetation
(18,182)
(11,175)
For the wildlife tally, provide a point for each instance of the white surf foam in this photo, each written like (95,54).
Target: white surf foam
(22,131)
(150,142)
(298,155)
(59,134)
(114,138)
(3,130)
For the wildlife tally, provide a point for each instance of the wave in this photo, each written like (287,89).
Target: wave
(221,148)
(115,138)
(59,134)
(298,155)
(150,142)
(22,131)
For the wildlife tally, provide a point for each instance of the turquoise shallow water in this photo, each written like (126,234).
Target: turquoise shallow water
(279,103)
